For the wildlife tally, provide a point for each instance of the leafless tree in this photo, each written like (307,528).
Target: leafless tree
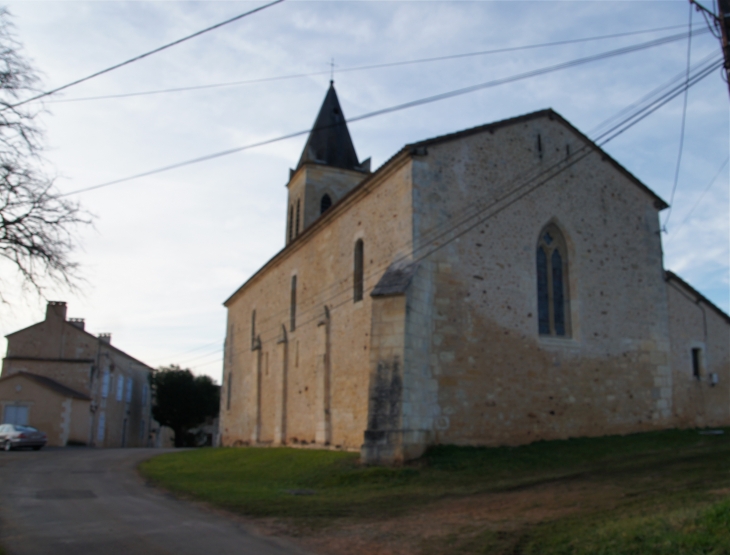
(36,223)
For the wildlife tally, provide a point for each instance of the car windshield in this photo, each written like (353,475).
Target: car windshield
(20,428)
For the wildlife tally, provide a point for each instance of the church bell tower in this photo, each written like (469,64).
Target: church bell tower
(327,170)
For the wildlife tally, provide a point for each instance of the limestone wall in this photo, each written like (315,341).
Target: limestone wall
(499,381)
(693,324)
(63,419)
(312,381)
(310,183)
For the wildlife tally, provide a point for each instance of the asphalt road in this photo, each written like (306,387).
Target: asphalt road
(91,501)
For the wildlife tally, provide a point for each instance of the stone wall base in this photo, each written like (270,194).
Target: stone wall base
(390,447)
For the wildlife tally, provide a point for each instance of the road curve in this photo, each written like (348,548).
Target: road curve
(92,501)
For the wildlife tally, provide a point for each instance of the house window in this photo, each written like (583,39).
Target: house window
(105,384)
(293,305)
(696,363)
(128,392)
(325,203)
(357,272)
(552,284)
(120,387)
(16,414)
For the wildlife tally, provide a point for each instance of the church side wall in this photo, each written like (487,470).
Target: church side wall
(499,381)
(694,325)
(310,385)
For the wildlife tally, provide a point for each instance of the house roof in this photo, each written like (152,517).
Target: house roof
(699,297)
(329,141)
(91,335)
(420,147)
(48,383)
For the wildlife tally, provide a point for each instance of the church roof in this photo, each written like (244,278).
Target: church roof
(329,141)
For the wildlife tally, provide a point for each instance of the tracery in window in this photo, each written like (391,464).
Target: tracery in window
(325,203)
(552,283)
(357,273)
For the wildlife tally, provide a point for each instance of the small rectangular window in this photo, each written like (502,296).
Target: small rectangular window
(228,392)
(696,362)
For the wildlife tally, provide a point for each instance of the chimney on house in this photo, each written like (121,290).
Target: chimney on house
(56,309)
(105,338)
(78,322)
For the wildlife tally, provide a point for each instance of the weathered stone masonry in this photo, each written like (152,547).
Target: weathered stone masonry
(445,346)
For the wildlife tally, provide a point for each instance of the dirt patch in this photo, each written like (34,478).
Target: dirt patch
(418,532)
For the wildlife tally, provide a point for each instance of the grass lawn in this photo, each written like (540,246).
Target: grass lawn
(661,492)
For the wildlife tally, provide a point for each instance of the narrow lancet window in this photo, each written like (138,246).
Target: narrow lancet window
(293,305)
(552,284)
(228,391)
(357,277)
(296,229)
(253,330)
(325,204)
(290,232)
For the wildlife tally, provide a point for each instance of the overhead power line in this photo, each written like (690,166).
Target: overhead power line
(441,236)
(145,55)
(398,107)
(365,67)
(684,120)
(699,200)
(526,187)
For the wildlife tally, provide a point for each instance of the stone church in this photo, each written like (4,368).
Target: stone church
(495,286)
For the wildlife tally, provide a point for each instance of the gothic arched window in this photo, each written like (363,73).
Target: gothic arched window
(357,271)
(325,203)
(552,283)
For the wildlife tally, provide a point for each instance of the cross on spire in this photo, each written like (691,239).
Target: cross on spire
(332,71)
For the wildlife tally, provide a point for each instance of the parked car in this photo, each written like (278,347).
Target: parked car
(16,436)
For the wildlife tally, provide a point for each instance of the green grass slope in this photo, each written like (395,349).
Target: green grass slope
(673,488)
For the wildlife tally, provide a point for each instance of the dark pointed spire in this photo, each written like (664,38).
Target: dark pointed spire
(329,141)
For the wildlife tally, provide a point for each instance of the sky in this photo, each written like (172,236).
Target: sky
(166,250)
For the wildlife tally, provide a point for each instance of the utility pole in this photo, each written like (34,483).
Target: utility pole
(722,24)
(723,8)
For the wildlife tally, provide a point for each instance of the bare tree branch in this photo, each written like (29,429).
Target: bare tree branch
(36,225)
